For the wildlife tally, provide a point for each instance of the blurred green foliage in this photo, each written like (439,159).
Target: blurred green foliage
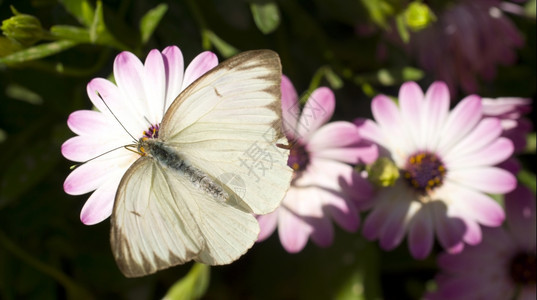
(52,48)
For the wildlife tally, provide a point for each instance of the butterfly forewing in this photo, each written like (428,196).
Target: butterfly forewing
(229,122)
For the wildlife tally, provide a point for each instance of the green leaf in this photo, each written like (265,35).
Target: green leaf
(390,77)
(8,46)
(97,25)
(333,79)
(530,143)
(266,16)
(22,93)
(192,286)
(379,11)
(149,22)
(82,10)
(37,52)
(224,48)
(401,28)
(528,179)
(68,32)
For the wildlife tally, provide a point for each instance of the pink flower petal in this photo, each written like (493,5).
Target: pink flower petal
(395,137)
(527,293)
(460,121)
(386,200)
(469,261)
(126,112)
(340,141)
(475,205)
(86,178)
(449,230)
(473,235)
(395,225)
(317,111)
(375,220)
(89,176)
(434,113)
(88,122)
(83,148)
(267,225)
(370,131)
(200,65)
(323,231)
(459,288)
(337,177)
(334,135)
(341,210)
(411,104)
(484,133)
(293,231)
(174,68)
(100,204)
(505,106)
(290,108)
(490,155)
(421,233)
(485,179)
(128,72)
(386,113)
(155,85)
(361,153)
(520,210)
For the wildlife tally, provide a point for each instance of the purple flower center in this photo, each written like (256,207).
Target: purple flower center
(424,171)
(523,269)
(298,158)
(152,132)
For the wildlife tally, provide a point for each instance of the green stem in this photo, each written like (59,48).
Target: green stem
(73,289)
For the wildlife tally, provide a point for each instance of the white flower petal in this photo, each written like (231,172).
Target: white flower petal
(174,66)
(155,86)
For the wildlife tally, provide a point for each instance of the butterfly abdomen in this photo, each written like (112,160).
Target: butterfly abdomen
(171,159)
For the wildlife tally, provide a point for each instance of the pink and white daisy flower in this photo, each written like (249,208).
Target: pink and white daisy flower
(467,42)
(502,266)
(447,164)
(325,185)
(141,95)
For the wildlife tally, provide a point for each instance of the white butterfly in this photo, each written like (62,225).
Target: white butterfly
(215,163)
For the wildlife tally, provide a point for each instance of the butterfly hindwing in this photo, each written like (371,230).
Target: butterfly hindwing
(228,123)
(161,219)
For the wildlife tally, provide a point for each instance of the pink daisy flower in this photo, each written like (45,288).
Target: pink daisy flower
(503,266)
(468,41)
(141,95)
(325,186)
(447,164)
(510,110)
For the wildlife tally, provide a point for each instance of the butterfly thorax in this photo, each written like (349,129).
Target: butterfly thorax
(170,158)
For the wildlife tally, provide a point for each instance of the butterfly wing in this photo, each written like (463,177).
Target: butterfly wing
(228,123)
(160,220)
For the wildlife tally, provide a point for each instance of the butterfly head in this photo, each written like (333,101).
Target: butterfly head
(144,142)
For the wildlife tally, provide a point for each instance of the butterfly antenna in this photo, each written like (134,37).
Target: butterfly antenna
(126,147)
(133,138)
